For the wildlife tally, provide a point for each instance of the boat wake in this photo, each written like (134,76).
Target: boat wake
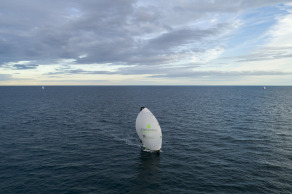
(127,140)
(147,150)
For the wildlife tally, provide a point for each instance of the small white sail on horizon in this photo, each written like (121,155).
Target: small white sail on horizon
(43,87)
(148,130)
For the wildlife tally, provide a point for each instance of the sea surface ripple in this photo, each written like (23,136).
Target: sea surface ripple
(82,139)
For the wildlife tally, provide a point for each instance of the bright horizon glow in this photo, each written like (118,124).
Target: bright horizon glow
(246,43)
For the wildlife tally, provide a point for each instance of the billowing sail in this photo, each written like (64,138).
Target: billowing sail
(148,130)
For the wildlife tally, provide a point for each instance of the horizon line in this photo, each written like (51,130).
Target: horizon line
(152,85)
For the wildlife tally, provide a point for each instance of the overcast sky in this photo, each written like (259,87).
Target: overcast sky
(159,42)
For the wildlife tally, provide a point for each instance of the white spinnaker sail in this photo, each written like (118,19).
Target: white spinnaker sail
(148,130)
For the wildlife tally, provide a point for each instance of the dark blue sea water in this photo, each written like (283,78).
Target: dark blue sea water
(83,140)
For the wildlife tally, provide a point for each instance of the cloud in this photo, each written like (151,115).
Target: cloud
(226,74)
(20,65)
(5,77)
(90,81)
(188,71)
(154,38)
(280,34)
(25,66)
(273,44)
(107,31)
(267,53)
(78,71)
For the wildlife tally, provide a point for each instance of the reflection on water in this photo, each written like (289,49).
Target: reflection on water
(148,176)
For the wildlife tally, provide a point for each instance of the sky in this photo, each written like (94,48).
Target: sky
(153,42)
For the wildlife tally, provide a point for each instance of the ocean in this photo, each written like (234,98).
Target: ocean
(82,139)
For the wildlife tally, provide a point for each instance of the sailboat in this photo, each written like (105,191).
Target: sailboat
(43,87)
(149,131)
(264,87)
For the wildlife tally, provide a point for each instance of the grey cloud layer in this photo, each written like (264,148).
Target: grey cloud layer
(120,32)
(267,53)
(196,74)
(4,77)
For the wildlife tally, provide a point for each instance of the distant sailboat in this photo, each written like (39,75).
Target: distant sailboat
(264,87)
(43,87)
(149,131)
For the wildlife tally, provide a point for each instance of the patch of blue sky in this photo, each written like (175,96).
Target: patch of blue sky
(252,33)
